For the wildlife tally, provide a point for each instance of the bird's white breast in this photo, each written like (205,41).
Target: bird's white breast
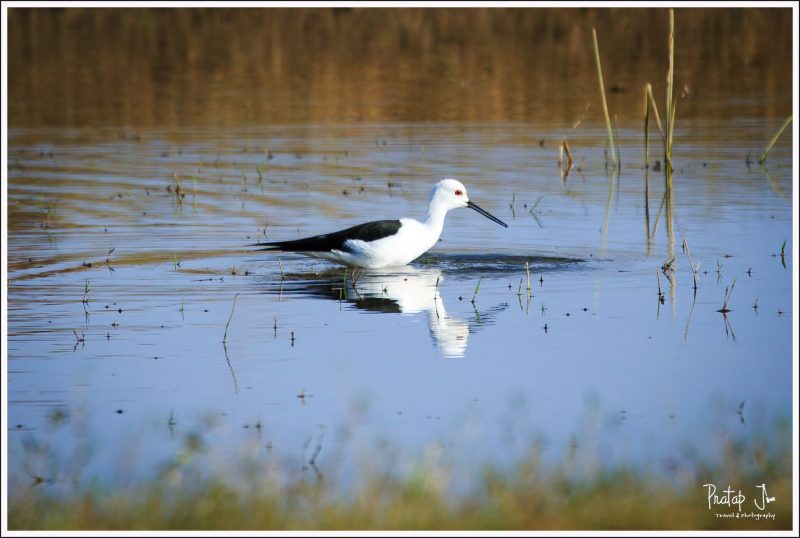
(411,241)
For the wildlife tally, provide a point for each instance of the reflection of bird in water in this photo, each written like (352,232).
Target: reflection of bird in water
(406,290)
(386,243)
(415,291)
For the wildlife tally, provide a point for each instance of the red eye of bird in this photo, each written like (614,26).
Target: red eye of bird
(459,192)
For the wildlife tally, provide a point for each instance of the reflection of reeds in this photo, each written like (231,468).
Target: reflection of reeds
(670,127)
(728,293)
(532,211)
(225,336)
(611,188)
(649,104)
(528,273)
(783,254)
(763,158)
(230,365)
(666,137)
(774,184)
(306,42)
(179,192)
(660,293)
(691,264)
(564,166)
(603,96)
(689,319)
(647,209)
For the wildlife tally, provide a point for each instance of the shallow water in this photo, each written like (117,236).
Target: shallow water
(141,326)
(403,357)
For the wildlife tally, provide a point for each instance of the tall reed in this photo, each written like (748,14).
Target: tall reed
(605,104)
(646,165)
(671,100)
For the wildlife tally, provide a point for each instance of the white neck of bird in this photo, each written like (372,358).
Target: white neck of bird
(435,217)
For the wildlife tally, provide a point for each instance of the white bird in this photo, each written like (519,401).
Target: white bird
(386,243)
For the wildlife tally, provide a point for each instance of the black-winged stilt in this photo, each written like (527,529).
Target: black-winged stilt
(386,243)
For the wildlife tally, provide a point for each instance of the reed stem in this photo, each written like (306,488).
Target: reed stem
(647,162)
(528,276)
(477,287)
(763,158)
(613,152)
(652,100)
(670,101)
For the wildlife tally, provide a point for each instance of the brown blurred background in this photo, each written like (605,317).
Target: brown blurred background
(221,67)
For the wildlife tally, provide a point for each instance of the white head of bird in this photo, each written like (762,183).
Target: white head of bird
(450,194)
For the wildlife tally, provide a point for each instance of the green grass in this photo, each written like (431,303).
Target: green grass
(529,495)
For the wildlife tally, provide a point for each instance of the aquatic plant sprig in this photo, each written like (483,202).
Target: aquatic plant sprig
(763,157)
(477,288)
(534,213)
(80,340)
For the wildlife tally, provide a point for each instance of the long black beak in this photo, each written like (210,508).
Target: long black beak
(486,214)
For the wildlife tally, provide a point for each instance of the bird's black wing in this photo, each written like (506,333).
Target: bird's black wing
(369,231)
